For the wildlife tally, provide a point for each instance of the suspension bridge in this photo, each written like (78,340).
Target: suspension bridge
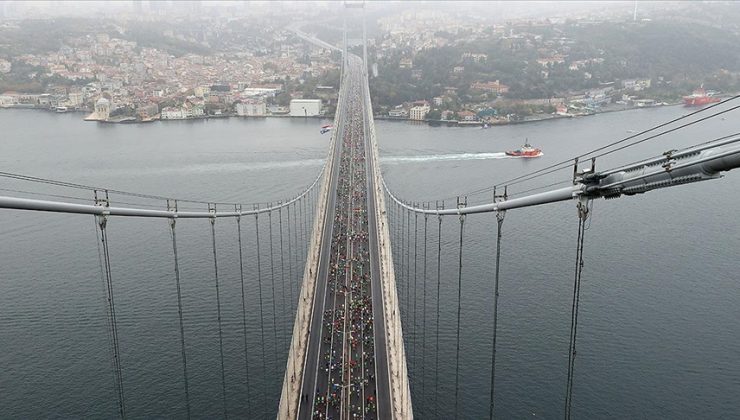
(355,248)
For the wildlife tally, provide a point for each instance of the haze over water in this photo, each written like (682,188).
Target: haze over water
(658,332)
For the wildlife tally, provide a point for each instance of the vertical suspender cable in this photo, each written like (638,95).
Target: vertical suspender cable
(262,313)
(408,264)
(218,308)
(583,213)
(459,308)
(290,261)
(500,220)
(439,282)
(304,233)
(286,312)
(272,282)
(299,231)
(399,254)
(106,310)
(402,308)
(424,317)
(244,307)
(179,313)
(299,272)
(305,229)
(397,232)
(413,324)
(112,322)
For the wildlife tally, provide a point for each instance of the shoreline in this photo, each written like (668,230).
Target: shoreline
(550,117)
(127,121)
(431,123)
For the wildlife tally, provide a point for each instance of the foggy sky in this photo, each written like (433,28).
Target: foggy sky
(494,10)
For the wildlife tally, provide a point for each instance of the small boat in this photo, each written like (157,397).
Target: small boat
(61,109)
(326,128)
(700,97)
(526,151)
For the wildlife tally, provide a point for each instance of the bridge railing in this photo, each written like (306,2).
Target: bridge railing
(294,372)
(397,363)
(698,163)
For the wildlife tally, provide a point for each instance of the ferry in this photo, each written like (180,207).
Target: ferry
(526,151)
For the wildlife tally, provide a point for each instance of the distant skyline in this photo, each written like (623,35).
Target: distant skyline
(495,10)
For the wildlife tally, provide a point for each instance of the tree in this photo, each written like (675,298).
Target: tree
(434,114)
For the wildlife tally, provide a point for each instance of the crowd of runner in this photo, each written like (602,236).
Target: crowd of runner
(346,378)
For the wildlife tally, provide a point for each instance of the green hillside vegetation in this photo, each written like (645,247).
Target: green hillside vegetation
(681,55)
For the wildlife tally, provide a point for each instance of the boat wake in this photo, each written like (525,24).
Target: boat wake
(445,157)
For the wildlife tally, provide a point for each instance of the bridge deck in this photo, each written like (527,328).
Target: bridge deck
(345,355)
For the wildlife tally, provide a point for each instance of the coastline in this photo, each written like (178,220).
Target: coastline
(544,117)
(432,123)
(134,120)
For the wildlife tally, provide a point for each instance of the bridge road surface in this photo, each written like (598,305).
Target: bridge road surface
(347,350)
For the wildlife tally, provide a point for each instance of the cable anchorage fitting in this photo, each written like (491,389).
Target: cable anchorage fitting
(102,201)
(589,178)
(583,207)
(238,210)
(497,198)
(670,160)
(212,211)
(172,208)
(460,205)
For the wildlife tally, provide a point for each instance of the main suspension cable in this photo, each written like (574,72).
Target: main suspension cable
(568,162)
(65,184)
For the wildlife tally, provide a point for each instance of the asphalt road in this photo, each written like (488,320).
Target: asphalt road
(371,376)
(381,348)
(314,340)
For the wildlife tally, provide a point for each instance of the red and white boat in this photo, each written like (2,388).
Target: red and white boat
(526,151)
(700,97)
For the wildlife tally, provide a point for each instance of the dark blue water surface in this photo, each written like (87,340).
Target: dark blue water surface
(658,331)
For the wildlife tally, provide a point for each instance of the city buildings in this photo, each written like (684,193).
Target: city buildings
(419,112)
(251,108)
